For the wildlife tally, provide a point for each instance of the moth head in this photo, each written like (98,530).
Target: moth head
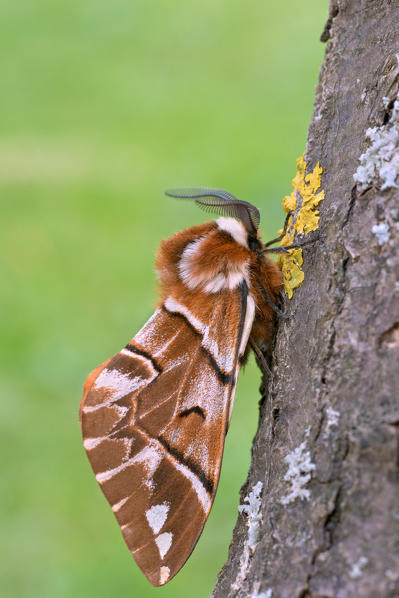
(223,203)
(255,243)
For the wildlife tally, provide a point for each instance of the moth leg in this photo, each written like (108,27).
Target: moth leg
(270,301)
(277,239)
(260,358)
(293,246)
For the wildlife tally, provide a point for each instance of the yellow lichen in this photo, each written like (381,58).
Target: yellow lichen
(306,220)
(290,264)
(289,203)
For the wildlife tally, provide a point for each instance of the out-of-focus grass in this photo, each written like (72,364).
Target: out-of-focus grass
(103,105)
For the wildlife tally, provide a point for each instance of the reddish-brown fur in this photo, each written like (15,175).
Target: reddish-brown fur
(170,251)
(218,252)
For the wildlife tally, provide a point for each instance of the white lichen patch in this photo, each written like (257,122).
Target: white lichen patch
(332,419)
(379,164)
(381,231)
(252,511)
(299,474)
(392,575)
(254,518)
(397,286)
(357,568)
(266,594)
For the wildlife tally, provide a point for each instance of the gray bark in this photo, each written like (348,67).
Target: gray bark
(334,394)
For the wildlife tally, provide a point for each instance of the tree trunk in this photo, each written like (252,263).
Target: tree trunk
(321,515)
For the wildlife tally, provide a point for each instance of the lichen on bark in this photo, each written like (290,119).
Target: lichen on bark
(304,218)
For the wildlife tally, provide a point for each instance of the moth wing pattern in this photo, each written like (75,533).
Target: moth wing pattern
(154,419)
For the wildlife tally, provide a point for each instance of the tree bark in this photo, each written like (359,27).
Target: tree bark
(325,464)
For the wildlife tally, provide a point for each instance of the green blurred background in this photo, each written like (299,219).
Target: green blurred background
(102,106)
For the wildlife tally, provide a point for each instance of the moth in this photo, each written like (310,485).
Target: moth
(154,417)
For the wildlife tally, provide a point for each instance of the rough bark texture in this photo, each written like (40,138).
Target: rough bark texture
(334,396)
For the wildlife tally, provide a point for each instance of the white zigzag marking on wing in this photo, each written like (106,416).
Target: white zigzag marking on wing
(174,306)
(164,542)
(119,385)
(119,504)
(144,414)
(91,443)
(165,345)
(196,484)
(148,336)
(226,361)
(128,353)
(173,363)
(150,456)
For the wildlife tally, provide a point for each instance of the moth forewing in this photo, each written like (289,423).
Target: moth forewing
(154,417)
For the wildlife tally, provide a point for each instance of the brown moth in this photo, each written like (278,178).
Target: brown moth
(154,417)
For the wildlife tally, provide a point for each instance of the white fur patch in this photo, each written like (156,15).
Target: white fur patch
(164,542)
(236,275)
(186,265)
(216,284)
(220,282)
(235,228)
